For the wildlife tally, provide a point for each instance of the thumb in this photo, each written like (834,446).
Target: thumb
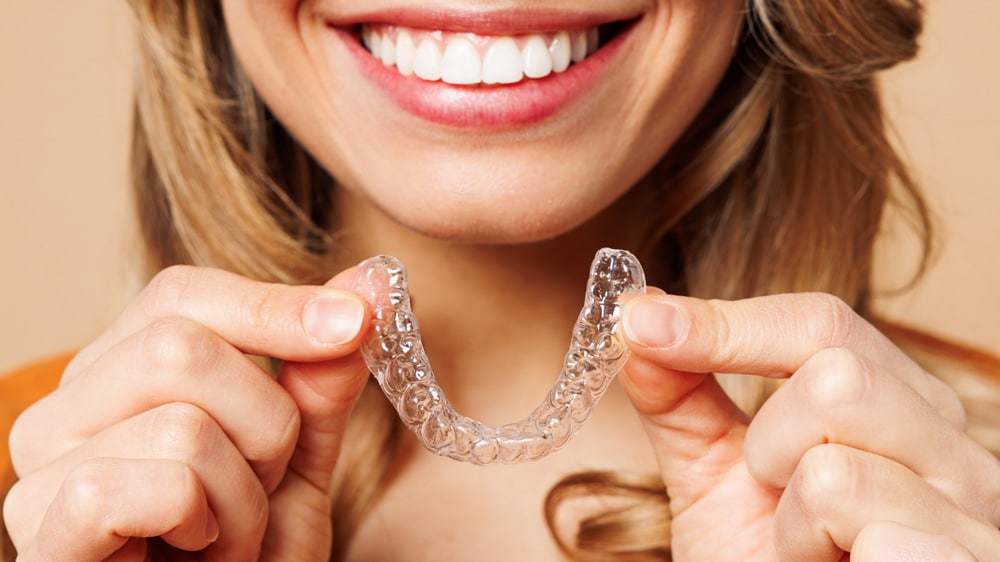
(696,431)
(325,392)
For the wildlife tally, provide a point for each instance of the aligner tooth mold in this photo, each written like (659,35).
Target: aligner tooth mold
(395,355)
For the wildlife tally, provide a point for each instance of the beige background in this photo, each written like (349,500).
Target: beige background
(65,72)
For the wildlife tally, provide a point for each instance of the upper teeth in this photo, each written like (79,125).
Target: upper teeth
(467,58)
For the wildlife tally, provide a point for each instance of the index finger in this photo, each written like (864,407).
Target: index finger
(769,336)
(299,323)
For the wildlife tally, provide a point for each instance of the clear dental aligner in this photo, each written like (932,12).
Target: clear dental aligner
(395,355)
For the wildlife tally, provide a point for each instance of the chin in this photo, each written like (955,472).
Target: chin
(482,222)
(467,198)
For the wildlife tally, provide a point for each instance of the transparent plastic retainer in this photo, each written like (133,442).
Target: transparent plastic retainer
(395,355)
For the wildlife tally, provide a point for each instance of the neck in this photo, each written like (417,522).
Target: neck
(495,319)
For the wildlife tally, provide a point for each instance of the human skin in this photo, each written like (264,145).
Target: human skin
(541,179)
(496,226)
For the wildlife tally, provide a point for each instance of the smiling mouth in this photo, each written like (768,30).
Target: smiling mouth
(472,59)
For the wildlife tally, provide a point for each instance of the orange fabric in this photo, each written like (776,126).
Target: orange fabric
(18,390)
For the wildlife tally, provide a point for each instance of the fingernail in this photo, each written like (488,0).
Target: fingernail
(333,320)
(655,323)
(212,528)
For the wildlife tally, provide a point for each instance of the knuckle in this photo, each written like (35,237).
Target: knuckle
(947,402)
(30,439)
(19,444)
(827,476)
(830,321)
(15,506)
(84,491)
(262,313)
(285,409)
(725,348)
(834,377)
(166,292)
(277,438)
(180,431)
(186,495)
(12,501)
(176,345)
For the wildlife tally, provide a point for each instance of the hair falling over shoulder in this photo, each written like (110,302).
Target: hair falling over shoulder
(211,170)
(790,163)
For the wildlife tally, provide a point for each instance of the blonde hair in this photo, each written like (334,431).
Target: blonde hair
(780,185)
(790,164)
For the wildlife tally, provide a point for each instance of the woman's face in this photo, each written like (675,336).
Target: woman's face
(488,120)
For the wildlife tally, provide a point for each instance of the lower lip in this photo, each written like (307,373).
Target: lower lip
(482,107)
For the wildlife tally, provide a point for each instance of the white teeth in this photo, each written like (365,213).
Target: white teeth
(461,64)
(388,51)
(561,51)
(536,58)
(427,62)
(468,59)
(502,63)
(373,40)
(579,48)
(406,52)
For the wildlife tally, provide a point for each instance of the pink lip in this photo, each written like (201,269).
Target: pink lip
(511,22)
(529,101)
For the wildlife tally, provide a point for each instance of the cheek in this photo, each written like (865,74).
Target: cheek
(695,43)
(268,39)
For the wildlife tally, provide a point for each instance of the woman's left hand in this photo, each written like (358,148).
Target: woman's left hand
(860,451)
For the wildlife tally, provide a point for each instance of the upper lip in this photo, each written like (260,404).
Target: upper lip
(484,22)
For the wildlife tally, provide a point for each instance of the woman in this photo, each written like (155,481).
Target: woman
(739,149)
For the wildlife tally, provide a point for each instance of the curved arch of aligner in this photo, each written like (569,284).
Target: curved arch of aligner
(395,355)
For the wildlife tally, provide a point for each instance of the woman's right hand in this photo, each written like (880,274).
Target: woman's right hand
(163,427)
